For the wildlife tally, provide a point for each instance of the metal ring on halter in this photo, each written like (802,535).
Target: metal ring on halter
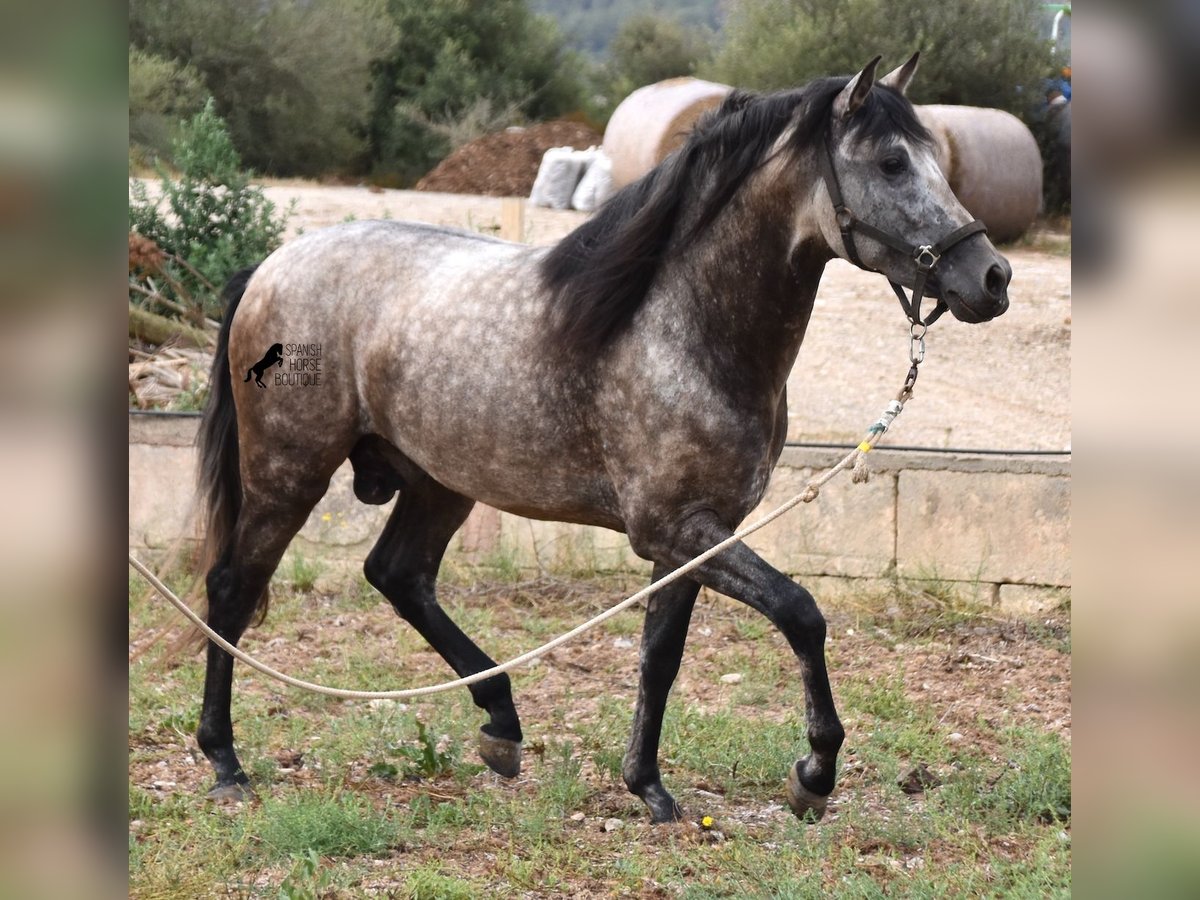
(916,345)
(926,258)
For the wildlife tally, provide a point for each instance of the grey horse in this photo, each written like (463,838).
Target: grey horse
(632,377)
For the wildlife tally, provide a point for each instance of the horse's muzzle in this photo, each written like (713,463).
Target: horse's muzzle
(980,298)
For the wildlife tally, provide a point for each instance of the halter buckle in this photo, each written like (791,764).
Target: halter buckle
(926,258)
(845,218)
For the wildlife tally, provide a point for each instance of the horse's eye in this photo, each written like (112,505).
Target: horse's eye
(894,165)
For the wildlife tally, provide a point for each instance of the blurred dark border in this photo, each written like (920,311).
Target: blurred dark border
(63,160)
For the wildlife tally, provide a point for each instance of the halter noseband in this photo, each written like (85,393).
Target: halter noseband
(924,256)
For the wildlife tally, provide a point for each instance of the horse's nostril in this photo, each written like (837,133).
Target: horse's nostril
(995,281)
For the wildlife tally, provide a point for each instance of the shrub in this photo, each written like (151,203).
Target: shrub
(650,48)
(214,219)
(455,62)
(291,77)
(978,54)
(162,92)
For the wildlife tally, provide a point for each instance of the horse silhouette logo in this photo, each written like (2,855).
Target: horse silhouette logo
(273,357)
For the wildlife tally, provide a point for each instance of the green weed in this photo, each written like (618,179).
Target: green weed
(302,573)
(429,882)
(308,879)
(425,759)
(562,787)
(331,824)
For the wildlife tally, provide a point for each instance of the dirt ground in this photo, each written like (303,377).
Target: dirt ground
(1002,385)
(975,678)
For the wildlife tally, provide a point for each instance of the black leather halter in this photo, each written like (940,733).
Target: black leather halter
(924,256)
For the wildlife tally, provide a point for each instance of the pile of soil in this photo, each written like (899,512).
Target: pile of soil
(505,164)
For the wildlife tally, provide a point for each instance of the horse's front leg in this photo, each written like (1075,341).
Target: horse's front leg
(668,612)
(742,574)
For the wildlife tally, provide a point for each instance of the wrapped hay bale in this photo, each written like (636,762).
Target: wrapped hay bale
(558,176)
(653,121)
(596,184)
(992,163)
(990,158)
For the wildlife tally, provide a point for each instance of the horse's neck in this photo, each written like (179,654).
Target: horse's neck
(752,291)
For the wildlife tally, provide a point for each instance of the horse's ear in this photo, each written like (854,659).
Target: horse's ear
(854,94)
(901,77)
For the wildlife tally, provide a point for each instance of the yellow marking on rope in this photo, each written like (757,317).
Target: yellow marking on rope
(865,446)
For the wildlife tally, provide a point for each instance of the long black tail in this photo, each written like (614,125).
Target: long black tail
(220,483)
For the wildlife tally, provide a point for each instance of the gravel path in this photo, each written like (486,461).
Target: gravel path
(1004,385)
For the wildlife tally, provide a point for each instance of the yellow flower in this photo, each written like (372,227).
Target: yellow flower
(706,822)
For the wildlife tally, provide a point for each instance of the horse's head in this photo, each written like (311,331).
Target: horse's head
(888,200)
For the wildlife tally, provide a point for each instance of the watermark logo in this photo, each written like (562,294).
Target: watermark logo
(299,365)
(273,357)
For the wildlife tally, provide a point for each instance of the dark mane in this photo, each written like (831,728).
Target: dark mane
(600,273)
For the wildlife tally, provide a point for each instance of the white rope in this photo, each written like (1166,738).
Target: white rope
(810,492)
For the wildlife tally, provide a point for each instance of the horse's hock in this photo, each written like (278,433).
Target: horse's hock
(990,159)
(997,527)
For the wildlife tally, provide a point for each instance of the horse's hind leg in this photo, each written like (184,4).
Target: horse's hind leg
(236,584)
(668,612)
(403,565)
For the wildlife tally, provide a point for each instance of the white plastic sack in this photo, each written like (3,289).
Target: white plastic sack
(557,177)
(596,184)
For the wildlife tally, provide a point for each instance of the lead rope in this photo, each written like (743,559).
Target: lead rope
(855,459)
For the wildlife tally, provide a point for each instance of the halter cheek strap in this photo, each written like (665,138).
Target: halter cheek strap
(924,256)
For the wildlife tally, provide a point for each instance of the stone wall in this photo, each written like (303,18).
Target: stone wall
(996,526)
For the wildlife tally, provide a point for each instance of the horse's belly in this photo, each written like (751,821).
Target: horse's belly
(525,475)
(493,426)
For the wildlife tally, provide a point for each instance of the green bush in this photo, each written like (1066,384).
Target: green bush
(162,92)
(292,78)
(650,48)
(977,54)
(452,61)
(210,216)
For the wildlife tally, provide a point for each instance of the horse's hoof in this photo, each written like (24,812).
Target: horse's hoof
(501,755)
(662,806)
(804,803)
(231,793)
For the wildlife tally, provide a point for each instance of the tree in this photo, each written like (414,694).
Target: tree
(450,57)
(291,77)
(650,48)
(162,92)
(973,53)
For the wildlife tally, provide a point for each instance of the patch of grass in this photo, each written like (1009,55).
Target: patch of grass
(925,606)
(751,627)
(562,787)
(336,823)
(429,881)
(308,879)
(1033,786)
(354,819)
(502,564)
(361,595)
(740,756)
(302,573)
(425,759)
